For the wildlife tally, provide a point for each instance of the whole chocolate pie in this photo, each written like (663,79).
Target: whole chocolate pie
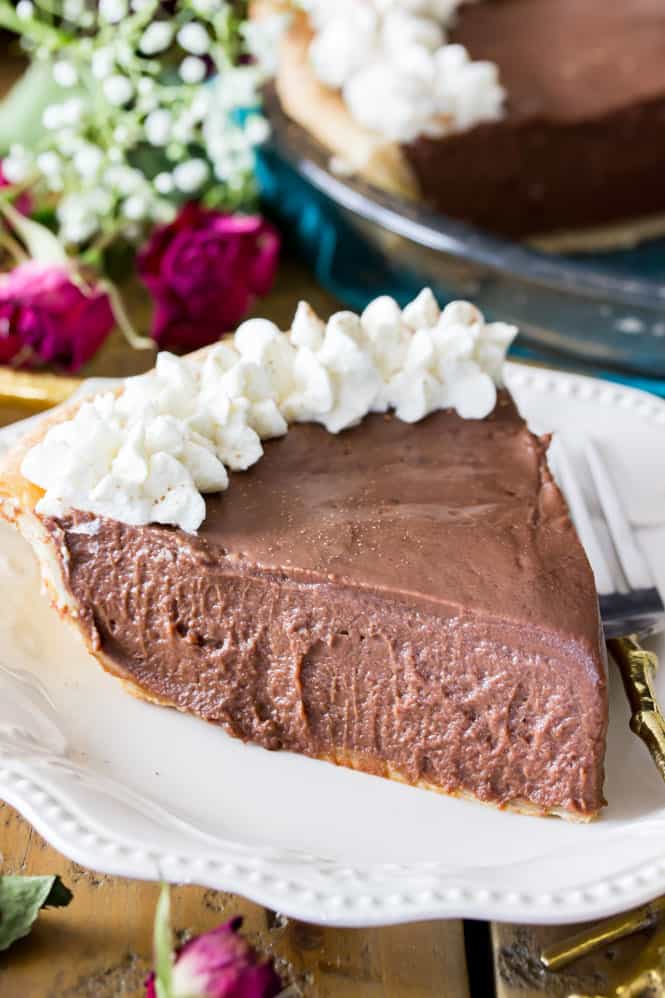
(553,120)
(406,598)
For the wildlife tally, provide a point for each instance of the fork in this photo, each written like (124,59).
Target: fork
(631,607)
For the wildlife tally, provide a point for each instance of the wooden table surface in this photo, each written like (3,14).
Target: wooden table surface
(100,946)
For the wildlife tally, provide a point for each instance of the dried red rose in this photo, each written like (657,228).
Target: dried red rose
(204,271)
(219,964)
(47,318)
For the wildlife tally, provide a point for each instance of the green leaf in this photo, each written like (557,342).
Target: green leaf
(163,944)
(21,110)
(20,901)
(40,242)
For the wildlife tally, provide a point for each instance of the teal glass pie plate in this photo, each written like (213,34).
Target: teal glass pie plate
(601,313)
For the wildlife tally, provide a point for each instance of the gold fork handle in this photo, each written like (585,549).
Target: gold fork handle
(637,667)
(558,955)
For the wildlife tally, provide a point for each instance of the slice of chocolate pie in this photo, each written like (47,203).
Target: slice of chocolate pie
(405,598)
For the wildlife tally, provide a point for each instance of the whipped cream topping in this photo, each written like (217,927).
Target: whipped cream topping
(395,70)
(150,452)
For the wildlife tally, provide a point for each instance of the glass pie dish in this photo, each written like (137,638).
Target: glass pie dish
(601,310)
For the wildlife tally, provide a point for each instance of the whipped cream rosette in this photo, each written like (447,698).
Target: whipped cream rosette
(149,453)
(396,71)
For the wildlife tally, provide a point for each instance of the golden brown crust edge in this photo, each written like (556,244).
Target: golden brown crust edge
(15,490)
(18,499)
(13,486)
(323,114)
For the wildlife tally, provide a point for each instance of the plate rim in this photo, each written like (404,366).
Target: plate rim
(330,892)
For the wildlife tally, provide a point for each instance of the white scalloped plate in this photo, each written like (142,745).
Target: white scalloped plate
(133,789)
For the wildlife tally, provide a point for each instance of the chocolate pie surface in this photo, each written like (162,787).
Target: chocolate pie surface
(582,142)
(410,600)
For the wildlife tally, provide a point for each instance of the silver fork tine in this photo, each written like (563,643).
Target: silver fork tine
(581,517)
(626,616)
(631,559)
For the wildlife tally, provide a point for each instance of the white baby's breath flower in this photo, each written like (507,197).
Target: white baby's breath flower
(17,165)
(192,69)
(90,138)
(164,183)
(223,167)
(158,127)
(191,175)
(147,103)
(64,73)
(113,11)
(54,182)
(234,163)
(67,141)
(71,111)
(125,53)
(88,160)
(99,200)
(257,129)
(183,129)
(175,151)
(50,166)
(122,135)
(124,179)
(25,9)
(156,37)
(118,90)
(52,116)
(135,207)
(239,89)
(262,39)
(194,38)
(204,7)
(78,221)
(237,181)
(73,9)
(48,163)
(200,105)
(102,63)
(163,211)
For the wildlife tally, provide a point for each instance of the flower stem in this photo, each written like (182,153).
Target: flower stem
(45,34)
(134,339)
(13,247)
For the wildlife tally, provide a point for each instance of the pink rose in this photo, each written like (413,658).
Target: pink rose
(219,964)
(204,271)
(45,318)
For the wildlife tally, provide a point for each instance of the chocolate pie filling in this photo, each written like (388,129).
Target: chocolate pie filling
(411,600)
(583,138)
